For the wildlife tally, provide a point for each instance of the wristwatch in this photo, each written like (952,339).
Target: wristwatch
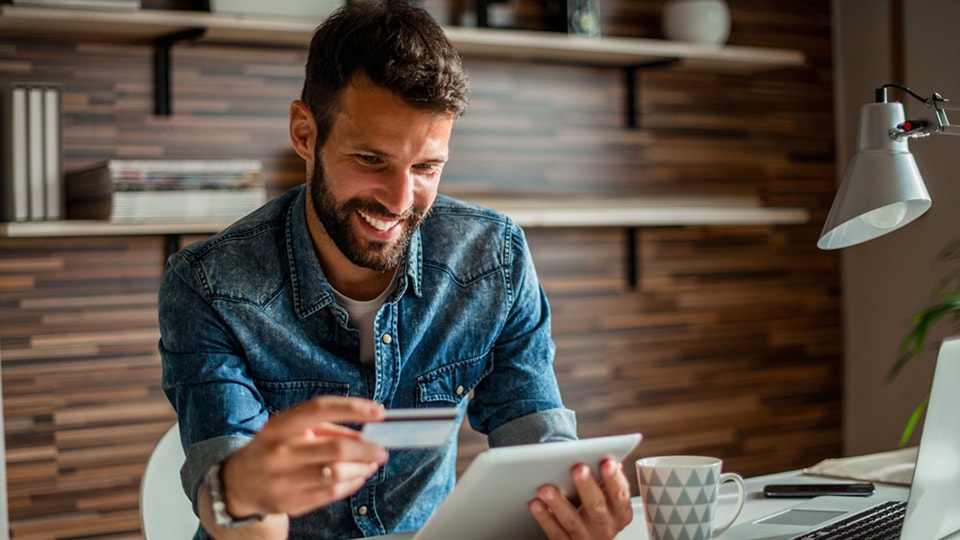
(219,507)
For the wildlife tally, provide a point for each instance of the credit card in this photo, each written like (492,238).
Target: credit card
(412,428)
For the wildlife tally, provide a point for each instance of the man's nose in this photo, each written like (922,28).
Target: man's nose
(396,193)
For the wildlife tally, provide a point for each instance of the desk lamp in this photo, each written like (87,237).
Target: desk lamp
(881,189)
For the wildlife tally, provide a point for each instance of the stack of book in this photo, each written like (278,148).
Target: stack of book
(142,191)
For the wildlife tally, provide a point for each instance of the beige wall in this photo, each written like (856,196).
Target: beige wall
(885,281)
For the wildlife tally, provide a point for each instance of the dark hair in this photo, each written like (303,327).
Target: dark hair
(397,46)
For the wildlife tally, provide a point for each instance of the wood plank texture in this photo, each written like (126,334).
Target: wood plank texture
(81,382)
(730,345)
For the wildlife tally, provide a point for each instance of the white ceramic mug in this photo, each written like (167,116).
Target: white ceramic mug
(680,493)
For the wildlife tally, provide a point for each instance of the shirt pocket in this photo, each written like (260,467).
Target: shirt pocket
(451,383)
(282,395)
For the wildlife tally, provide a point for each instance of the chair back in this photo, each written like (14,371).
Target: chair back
(165,511)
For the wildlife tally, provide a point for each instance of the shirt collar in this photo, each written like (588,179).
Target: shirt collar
(415,264)
(311,290)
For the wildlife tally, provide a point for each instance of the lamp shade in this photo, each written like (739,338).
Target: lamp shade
(881,189)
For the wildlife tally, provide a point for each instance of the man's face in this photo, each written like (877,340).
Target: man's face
(376,176)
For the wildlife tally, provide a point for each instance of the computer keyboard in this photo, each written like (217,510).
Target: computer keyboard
(882,522)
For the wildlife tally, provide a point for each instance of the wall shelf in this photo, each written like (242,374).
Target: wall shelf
(146,26)
(640,212)
(619,51)
(84,227)
(165,28)
(527,212)
(630,214)
(634,214)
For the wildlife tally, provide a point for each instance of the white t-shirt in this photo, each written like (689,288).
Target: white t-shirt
(363,315)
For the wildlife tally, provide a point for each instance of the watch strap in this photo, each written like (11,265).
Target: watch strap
(218,505)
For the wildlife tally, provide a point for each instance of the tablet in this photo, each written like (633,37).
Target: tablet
(490,499)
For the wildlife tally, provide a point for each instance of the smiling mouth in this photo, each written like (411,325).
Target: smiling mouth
(378,224)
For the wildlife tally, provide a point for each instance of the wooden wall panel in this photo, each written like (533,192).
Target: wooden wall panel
(730,345)
(727,347)
(82,401)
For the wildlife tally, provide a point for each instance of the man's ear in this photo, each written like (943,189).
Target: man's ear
(303,130)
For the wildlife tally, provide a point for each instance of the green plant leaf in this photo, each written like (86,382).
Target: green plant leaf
(945,301)
(912,344)
(951,251)
(913,421)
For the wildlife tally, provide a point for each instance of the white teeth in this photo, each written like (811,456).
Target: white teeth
(378,224)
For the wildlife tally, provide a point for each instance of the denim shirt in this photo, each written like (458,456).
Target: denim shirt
(250,327)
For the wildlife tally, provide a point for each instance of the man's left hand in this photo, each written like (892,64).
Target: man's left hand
(604,508)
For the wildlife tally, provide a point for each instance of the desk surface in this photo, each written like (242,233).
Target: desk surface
(756,505)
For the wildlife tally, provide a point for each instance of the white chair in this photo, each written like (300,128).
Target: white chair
(165,511)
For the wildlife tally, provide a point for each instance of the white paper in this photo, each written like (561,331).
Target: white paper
(893,467)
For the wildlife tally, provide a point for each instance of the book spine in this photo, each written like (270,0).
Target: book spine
(35,153)
(189,205)
(18,180)
(52,154)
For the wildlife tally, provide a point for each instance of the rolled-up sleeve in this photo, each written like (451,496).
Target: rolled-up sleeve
(544,426)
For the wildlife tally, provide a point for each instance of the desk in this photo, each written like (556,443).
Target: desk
(756,505)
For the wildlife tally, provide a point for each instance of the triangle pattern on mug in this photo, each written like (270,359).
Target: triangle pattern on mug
(683,500)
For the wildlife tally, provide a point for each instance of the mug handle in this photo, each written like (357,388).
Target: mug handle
(741,497)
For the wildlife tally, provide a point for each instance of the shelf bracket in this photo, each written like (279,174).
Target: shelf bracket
(631,90)
(171,245)
(161,67)
(633,258)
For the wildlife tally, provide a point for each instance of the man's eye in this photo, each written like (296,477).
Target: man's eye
(367,158)
(428,167)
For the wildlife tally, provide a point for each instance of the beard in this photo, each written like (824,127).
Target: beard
(337,217)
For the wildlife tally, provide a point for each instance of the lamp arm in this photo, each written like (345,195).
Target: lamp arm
(943,105)
(932,120)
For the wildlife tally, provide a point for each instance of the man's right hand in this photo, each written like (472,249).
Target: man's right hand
(301,460)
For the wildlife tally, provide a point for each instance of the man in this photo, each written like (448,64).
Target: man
(363,290)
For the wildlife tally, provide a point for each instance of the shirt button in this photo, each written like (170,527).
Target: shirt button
(362,510)
(387,339)
(459,390)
